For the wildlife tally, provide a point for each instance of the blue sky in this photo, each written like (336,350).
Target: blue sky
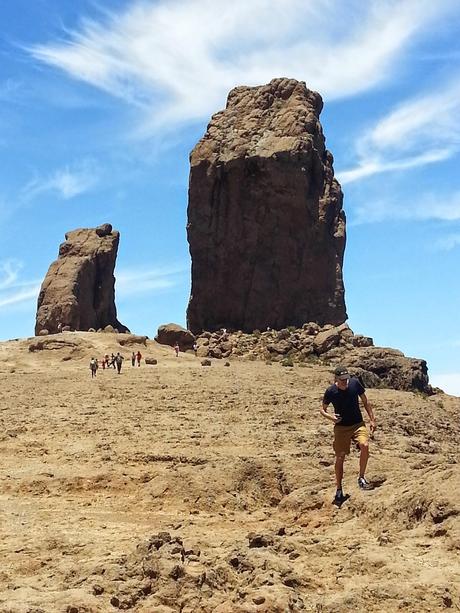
(101,103)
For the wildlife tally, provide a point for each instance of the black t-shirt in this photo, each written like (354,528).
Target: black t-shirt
(346,402)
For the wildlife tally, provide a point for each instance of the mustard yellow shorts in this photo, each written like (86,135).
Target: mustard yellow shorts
(343,435)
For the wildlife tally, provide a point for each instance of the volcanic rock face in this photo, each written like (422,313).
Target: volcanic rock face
(265,223)
(78,290)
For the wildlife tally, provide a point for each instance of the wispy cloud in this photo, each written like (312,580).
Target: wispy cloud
(130,282)
(66,183)
(439,206)
(9,89)
(420,131)
(14,290)
(176,60)
(449,382)
(447,243)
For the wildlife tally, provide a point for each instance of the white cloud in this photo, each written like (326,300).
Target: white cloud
(420,131)
(439,206)
(177,60)
(129,282)
(66,183)
(24,295)
(13,290)
(447,243)
(9,271)
(449,382)
(9,89)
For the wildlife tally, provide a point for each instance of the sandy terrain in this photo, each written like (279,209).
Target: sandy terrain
(179,487)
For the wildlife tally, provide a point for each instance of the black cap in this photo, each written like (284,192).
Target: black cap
(341,373)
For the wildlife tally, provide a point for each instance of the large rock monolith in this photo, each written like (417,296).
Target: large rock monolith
(266,228)
(78,291)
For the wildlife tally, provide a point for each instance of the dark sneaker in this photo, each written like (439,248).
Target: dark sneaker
(364,484)
(339,497)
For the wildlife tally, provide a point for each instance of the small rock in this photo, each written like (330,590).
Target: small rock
(205,362)
(177,572)
(259,540)
(258,600)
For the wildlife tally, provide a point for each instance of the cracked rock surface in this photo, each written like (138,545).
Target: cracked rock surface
(266,228)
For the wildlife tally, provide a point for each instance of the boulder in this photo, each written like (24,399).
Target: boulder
(170,334)
(78,291)
(392,367)
(151,361)
(132,339)
(326,340)
(266,228)
(52,344)
(362,341)
(280,347)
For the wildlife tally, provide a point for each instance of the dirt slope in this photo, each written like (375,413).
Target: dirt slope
(178,487)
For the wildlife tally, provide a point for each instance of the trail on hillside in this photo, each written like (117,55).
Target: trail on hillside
(178,487)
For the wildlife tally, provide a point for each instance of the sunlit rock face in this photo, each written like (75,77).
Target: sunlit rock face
(266,228)
(78,291)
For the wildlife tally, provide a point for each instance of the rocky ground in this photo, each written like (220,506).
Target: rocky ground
(178,487)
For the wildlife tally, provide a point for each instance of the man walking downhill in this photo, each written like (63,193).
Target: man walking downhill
(344,395)
(119,361)
(93,367)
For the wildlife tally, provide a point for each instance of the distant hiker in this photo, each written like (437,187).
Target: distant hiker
(344,395)
(119,361)
(138,358)
(176,349)
(133,359)
(106,359)
(195,349)
(93,367)
(103,362)
(112,360)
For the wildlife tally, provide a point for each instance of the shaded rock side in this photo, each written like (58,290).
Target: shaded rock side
(170,334)
(266,229)
(79,288)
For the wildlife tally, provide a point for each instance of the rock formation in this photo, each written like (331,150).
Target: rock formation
(170,334)
(79,287)
(329,346)
(265,223)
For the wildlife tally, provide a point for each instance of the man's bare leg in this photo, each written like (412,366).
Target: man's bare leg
(363,458)
(339,460)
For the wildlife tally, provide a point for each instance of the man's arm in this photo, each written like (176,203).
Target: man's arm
(331,416)
(369,411)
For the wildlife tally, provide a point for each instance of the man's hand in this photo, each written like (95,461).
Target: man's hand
(372,426)
(336,418)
